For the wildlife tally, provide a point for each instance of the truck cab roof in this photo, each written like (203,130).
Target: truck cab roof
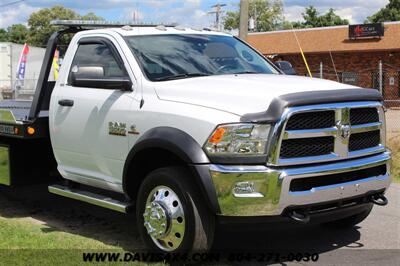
(129,29)
(159,30)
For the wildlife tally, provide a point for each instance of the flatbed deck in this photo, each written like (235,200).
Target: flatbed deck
(15,122)
(20,109)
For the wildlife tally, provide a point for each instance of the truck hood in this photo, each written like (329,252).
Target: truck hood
(240,94)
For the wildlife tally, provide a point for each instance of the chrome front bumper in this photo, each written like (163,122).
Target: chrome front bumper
(260,190)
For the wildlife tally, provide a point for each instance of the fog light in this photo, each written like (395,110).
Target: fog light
(246,190)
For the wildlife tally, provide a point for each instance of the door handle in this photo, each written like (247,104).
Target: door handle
(65,102)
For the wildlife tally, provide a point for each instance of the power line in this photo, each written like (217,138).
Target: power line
(12,3)
(217,11)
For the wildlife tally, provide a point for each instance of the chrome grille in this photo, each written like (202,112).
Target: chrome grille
(361,141)
(359,116)
(340,131)
(311,120)
(293,148)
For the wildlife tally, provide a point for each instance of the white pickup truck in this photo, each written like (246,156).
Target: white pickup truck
(189,128)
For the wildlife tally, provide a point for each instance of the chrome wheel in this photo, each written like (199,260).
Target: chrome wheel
(164,218)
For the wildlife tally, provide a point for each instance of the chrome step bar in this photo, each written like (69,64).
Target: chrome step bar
(91,198)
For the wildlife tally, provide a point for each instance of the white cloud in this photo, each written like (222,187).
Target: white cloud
(293,13)
(356,11)
(16,14)
(156,3)
(347,13)
(183,16)
(133,15)
(185,12)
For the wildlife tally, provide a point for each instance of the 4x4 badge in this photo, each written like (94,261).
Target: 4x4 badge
(133,130)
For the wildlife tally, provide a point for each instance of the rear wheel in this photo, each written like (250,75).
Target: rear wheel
(350,221)
(171,215)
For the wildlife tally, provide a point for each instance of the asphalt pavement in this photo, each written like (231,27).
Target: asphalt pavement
(376,241)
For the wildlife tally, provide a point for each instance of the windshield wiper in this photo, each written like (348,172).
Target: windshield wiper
(247,72)
(182,76)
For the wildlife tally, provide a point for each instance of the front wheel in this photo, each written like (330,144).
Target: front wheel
(171,215)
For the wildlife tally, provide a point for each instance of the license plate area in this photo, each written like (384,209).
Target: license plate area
(8,130)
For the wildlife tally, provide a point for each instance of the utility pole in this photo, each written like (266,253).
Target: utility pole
(380,76)
(217,11)
(134,16)
(244,19)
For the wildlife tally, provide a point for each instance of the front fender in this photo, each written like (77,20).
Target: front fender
(187,149)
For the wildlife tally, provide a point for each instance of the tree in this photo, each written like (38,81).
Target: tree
(91,16)
(391,12)
(18,33)
(231,20)
(3,35)
(268,15)
(313,19)
(39,23)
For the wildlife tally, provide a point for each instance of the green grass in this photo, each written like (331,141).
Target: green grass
(26,242)
(4,166)
(394,145)
(28,234)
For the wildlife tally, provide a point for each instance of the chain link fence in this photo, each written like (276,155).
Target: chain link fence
(385,78)
(16,89)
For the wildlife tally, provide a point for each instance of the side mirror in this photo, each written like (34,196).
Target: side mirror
(93,77)
(286,67)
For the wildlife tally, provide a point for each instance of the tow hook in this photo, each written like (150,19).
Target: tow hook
(379,200)
(299,217)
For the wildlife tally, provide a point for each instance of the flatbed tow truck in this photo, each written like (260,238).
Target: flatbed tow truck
(193,127)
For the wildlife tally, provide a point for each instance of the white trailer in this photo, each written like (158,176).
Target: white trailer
(9,57)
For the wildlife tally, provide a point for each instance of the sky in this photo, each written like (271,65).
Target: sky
(185,12)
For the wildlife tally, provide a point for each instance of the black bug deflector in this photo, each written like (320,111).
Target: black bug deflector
(278,105)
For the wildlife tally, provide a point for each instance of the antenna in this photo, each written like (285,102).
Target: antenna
(300,48)
(330,54)
(217,11)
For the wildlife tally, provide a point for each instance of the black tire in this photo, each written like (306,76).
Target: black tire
(350,221)
(199,221)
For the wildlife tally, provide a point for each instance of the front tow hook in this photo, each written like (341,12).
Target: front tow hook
(379,200)
(299,217)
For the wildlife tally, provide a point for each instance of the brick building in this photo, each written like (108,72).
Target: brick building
(356,61)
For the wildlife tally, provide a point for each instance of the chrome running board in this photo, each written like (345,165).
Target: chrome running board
(89,197)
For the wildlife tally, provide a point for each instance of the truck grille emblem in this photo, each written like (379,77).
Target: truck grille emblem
(344,130)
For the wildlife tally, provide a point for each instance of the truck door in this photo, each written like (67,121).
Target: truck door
(89,121)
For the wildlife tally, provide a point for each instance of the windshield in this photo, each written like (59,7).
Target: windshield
(166,57)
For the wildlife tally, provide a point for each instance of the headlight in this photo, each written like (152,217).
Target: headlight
(238,139)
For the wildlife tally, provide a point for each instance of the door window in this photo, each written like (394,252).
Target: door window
(98,61)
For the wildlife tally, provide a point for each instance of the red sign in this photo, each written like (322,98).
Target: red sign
(376,30)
